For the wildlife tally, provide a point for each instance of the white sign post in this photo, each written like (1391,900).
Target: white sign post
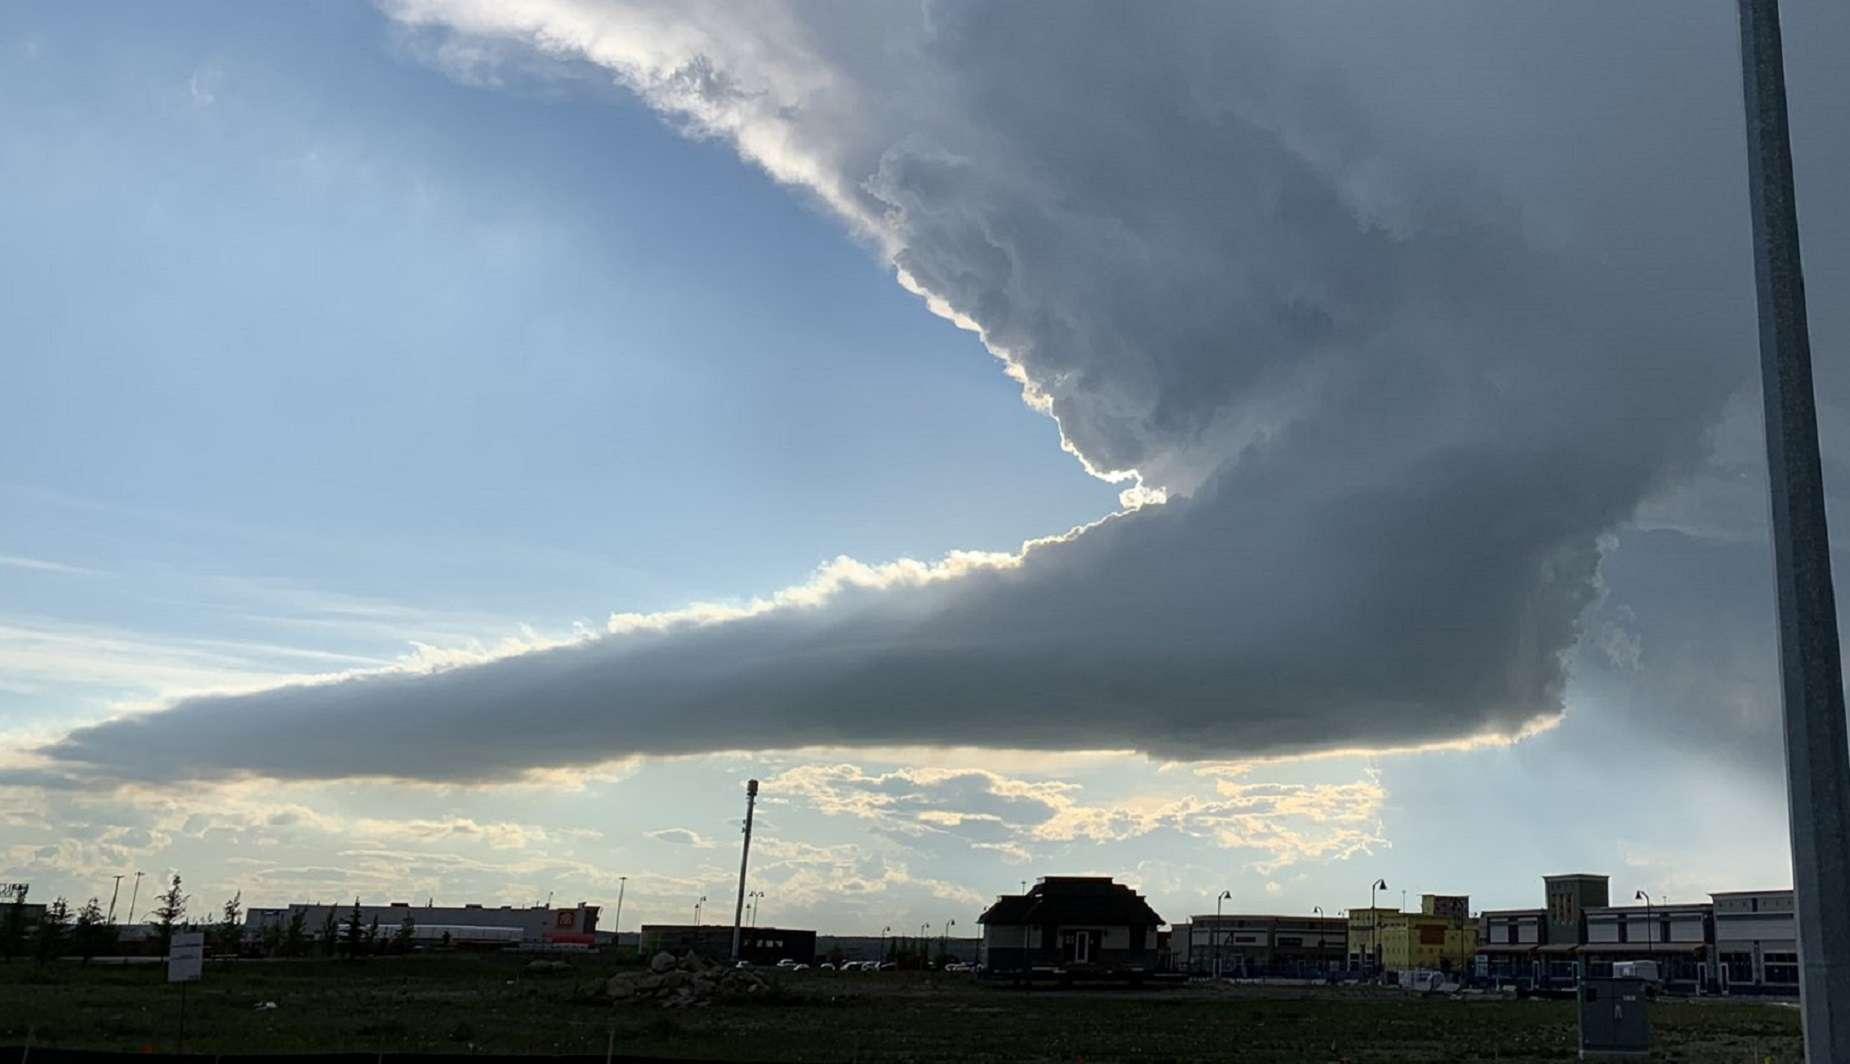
(186,962)
(186,956)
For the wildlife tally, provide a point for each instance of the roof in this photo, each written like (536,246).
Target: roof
(1073,900)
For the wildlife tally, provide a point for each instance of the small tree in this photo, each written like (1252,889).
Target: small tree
(401,939)
(295,936)
(170,912)
(92,930)
(54,926)
(354,931)
(330,937)
(230,930)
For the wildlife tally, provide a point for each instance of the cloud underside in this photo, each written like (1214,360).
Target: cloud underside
(1391,430)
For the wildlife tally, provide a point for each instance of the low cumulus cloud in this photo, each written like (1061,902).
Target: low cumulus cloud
(1389,399)
(1280,824)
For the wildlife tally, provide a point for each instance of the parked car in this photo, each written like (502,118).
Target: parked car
(743,966)
(826,966)
(800,968)
(956,966)
(787,962)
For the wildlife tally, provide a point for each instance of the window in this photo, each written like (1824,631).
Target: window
(1782,968)
(1624,928)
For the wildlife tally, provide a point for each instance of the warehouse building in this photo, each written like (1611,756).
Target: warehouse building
(758,945)
(463,926)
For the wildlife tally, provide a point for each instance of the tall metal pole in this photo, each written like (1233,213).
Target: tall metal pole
(1811,675)
(114,893)
(616,929)
(745,855)
(133,894)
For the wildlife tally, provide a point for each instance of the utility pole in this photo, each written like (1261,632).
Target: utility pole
(745,856)
(133,894)
(114,893)
(1811,674)
(617,928)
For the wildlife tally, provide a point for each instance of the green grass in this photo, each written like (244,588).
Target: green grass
(491,1004)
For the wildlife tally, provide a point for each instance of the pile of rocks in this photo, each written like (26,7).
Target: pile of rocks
(673,982)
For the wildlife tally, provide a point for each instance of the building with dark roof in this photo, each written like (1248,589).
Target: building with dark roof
(1071,926)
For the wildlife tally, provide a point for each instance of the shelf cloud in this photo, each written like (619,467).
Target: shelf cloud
(1372,421)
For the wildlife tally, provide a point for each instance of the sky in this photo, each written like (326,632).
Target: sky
(450,446)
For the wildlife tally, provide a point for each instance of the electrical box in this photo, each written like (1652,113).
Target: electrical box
(1614,1023)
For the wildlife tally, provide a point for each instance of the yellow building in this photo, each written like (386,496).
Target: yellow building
(1368,933)
(1440,937)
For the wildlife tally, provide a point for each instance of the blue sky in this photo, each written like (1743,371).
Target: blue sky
(299,311)
(343,338)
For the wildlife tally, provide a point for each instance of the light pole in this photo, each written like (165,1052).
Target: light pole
(755,896)
(617,928)
(1374,930)
(925,947)
(885,931)
(944,938)
(697,905)
(113,894)
(1218,937)
(1648,922)
(1317,911)
(1811,674)
(134,892)
(745,853)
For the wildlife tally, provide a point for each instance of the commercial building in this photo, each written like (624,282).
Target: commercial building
(1579,934)
(1249,944)
(480,926)
(1442,936)
(1071,925)
(1678,937)
(1756,942)
(758,945)
(1365,927)
(1507,940)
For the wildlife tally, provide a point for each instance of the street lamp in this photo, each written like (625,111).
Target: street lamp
(1646,898)
(1218,936)
(885,931)
(755,896)
(697,905)
(1317,910)
(1374,919)
(944,938)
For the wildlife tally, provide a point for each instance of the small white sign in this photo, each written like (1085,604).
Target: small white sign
(186,957)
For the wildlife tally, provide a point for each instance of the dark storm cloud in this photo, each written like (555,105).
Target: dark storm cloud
(1344,289)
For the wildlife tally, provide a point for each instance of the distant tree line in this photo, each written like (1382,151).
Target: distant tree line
(86,932)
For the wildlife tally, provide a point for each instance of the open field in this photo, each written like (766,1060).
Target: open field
(490,1004)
